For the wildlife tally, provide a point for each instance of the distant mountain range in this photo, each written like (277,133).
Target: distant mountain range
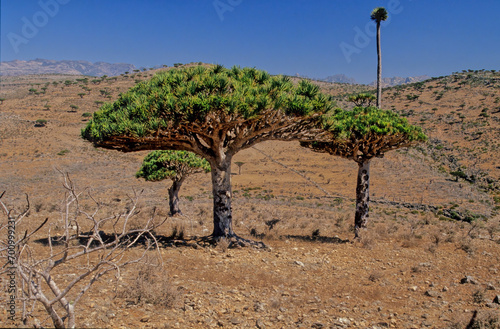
(339,78)
(45,66)
(386,82)
(394,81)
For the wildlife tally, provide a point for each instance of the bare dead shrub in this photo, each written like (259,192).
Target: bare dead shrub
(493,227)
(43,273)
(467,245)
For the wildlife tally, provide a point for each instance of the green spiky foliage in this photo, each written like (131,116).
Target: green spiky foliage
(174,165)
(366,132)
(379,14)
(214,112)
(360,135)
(183,102)
(363,100)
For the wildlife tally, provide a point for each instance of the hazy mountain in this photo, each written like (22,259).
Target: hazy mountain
(386,82)
(45,66)
(394,81)
(340,78)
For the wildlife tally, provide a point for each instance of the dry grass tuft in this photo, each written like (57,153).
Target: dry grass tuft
(375,276)
(150,286)
(368,239)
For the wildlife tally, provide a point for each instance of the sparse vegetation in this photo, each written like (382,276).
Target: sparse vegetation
(425,235)
(40,123)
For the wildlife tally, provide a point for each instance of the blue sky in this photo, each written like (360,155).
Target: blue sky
(316,38)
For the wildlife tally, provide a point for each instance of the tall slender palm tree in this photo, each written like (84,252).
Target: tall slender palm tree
(379,14)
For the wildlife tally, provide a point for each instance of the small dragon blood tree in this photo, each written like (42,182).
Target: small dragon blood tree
(360,135)
(175,165)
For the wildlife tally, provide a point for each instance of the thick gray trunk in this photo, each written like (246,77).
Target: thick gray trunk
(379,68)
(221,189)
(173,197)
(362,197)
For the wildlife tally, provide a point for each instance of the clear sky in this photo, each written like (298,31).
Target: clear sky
(316,38)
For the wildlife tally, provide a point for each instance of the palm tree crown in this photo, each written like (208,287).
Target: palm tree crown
(379,14)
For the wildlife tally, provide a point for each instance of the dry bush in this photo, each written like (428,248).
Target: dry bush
(408,240)
(411,237)
(375,276)
(449,231)
(150,286)
(493,227)
(467,245)
(478,297)
(368,239)
(381,230)
(43,272)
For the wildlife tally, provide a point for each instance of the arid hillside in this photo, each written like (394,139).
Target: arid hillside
(434,215)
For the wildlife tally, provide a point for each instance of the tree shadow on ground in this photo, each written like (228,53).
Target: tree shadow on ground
(318,238)
(90,240)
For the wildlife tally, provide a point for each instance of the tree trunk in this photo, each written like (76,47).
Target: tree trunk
(173,197)
(221,189)
(379,68)
(362,197)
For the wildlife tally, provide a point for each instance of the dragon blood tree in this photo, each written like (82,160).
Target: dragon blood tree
(175,165)
(360,135)
(214,112)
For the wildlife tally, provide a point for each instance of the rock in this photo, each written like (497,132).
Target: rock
(235,321)
(297,262)
(413,288)
(490,287)
(468,279)
(431,293)
(260,324)
(344,321)
(496,299)
(259,307)
(445,288)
